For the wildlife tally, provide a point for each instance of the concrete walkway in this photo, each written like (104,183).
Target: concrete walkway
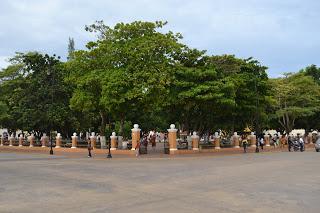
(263,182)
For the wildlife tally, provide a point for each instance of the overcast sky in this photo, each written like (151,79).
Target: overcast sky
(282,34)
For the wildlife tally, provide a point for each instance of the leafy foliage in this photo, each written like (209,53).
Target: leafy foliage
(138,73)
(296,96)
(35,94)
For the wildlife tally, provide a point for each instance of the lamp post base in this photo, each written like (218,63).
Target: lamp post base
(109,153)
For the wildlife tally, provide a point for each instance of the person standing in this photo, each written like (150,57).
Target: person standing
(89,148)
(301,143)
(153,142)
(274,140)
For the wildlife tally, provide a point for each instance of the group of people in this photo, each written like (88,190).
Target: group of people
(293,142)
(296,143)
(145,139)
(276,141)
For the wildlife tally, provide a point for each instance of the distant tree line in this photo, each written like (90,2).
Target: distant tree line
(137,73)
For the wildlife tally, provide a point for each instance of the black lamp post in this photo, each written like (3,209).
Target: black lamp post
(51,150)
(257,126)
(49,73)
(109,152)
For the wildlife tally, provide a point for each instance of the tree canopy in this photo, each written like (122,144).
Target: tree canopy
(296,96)
(140,73)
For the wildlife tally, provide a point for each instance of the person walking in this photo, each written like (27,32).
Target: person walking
(283,140)
(290,142)
(137,148)
(89,148)
(261,142)
(153,142)
(274,140)
(244,143)
(257,146)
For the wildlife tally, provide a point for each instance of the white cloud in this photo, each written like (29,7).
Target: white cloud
(4,62)
(284,35)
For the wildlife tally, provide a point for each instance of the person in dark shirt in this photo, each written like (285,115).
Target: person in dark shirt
(89,148)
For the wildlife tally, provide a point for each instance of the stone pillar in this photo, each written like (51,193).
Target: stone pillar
(172,136)
(216,141)
(235,140)
(120,140)
(74,139)
(58,140)
(253,140)
(2,140)
(113,139)
(31,139)
(11,140)
(266,139)
(21,138)
(93,140)
(195,141)
(44,140)
(135,136)
(103,142)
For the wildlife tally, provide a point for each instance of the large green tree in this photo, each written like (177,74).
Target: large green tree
(125,72)
(295,96)
(3,112)
(36,95)
(249,82)
(313,71)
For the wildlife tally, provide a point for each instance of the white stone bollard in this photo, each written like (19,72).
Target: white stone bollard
(253,140)
(113,139)
(135,134)
(2,140)
(21,139)
(216,141)
(44,140)
(31,140)
(74,139)
(11,140)
(172,137)
(235,139)
(58,140)
(93,140)
(195,141)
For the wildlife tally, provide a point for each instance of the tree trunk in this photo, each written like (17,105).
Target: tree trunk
(121,125)
(103,116)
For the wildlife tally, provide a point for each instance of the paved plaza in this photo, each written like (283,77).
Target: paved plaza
(263,182)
